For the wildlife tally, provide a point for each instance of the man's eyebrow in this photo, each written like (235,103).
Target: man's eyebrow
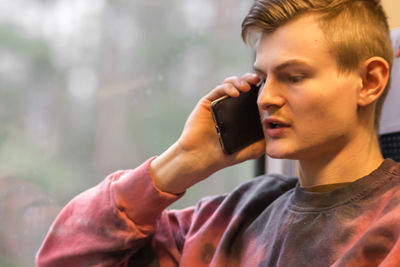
(258,70)
(284,65)
(292,63)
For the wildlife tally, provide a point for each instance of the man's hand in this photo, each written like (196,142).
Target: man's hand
(197,153)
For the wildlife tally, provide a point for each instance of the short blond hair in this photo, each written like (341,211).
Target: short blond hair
(355,30)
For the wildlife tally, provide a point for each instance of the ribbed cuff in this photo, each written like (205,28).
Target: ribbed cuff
(137,196)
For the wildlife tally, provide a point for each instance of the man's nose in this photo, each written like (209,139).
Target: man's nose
(270,96)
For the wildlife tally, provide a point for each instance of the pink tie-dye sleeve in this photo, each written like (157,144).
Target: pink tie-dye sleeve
(106,225)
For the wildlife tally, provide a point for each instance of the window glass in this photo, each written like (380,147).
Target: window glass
(89,87)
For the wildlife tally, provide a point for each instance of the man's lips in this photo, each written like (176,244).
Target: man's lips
(275,127)
(274,123)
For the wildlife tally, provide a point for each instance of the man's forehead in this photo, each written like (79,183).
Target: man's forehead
(298,42)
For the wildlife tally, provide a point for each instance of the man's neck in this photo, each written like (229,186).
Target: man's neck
(356,160)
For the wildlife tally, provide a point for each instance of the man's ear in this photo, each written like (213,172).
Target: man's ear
(375,76)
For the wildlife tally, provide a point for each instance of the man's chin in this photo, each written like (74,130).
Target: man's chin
(275,155)
(280,154)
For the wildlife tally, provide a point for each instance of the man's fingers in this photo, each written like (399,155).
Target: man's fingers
(232,86)
(251,78)
(238,82)
(223,90)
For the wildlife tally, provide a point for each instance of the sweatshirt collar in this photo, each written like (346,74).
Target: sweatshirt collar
(303,200)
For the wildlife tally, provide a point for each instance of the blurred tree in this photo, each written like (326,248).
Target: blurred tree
(89,87)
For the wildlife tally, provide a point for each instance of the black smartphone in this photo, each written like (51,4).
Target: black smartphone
(237,120)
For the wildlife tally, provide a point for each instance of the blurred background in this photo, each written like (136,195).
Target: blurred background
(88,87)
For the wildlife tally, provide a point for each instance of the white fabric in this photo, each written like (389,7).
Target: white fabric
(390,120)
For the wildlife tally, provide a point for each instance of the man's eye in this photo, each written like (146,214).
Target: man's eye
(262,78)
(295,78)
(262,81)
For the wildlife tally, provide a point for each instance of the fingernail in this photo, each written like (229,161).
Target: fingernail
(234,91)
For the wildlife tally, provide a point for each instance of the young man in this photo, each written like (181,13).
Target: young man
(324,66)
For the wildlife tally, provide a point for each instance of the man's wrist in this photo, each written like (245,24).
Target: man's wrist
(173,171)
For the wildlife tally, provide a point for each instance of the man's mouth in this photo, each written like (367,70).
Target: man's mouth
(274,125)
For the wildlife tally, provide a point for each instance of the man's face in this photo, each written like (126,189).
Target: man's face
(308,108)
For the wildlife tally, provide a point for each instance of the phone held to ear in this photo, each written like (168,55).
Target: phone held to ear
(237,120)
